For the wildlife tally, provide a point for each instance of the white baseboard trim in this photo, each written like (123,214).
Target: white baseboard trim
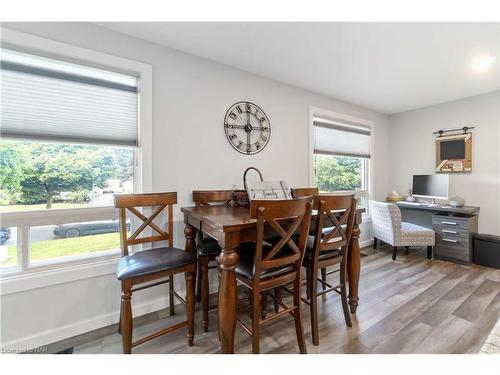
(61,333)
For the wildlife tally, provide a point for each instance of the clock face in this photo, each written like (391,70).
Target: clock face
(247,127)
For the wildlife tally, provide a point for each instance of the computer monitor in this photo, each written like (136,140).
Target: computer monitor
(430,186)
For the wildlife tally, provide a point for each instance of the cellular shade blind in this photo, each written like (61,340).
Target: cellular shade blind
(341,139)
(46,99)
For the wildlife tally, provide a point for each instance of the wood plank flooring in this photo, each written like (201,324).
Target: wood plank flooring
(411,305)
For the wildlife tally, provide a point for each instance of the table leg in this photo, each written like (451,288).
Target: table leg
(227,298)
(354,265)
(190,247)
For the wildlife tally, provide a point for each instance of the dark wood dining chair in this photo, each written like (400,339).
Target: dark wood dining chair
(304,192)
(271,266)
(147,268)
(207,248)
(327,248)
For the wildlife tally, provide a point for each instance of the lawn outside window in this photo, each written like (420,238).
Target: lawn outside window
(31,251)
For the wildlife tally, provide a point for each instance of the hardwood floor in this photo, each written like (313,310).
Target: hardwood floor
(411,305)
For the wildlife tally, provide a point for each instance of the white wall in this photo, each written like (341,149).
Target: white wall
(190,151)
(413,151)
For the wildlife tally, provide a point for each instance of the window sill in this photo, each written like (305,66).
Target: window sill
(38,279)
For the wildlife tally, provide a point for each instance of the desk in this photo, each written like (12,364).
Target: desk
(231,226)
(422,214)
(454,227)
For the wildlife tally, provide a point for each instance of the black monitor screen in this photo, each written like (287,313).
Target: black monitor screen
(453,149)
(430,186)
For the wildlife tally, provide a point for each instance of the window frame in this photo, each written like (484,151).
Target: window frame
(368,164)
(142,163)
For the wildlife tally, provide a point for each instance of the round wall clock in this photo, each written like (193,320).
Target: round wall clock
(247,127)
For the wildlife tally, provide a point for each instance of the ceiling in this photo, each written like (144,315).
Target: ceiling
(388,67)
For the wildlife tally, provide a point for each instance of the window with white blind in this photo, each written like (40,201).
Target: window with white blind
(47,99)
(341,157)
(69,140)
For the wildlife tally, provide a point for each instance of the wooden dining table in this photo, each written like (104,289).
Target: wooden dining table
(231,226)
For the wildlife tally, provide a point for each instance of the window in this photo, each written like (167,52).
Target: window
(8,247)
(341,157)
(70,140)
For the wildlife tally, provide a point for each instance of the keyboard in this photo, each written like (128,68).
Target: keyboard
(413,203)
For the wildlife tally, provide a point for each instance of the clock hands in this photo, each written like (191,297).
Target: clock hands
(248,128)
(245,127)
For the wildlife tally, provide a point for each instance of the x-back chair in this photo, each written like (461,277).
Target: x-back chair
(328,247)
(271,266)
(208,248)
(152,267)
(304,192)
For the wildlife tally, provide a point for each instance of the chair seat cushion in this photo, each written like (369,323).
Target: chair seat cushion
(329,229)
(150,261)
(415,235)
(210,247)
(332,241)
(245,264)
(323,255)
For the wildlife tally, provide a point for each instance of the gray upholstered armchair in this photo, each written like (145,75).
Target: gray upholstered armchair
(387,227)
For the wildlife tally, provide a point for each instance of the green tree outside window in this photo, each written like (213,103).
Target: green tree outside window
(38,172)
(337,173)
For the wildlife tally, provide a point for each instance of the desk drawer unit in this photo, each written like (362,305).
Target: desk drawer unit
(450,232)
(454,237)
(450,222)
(453,248)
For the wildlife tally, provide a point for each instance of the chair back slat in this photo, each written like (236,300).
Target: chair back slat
(205,198)
(280,262)
(148,221)
(284,217)
(209,197)
(157,203)
(285,237)
(144,200)
(139,214)
(304,192)
(336,212)
(277,208)
(137,241)
(341,201)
